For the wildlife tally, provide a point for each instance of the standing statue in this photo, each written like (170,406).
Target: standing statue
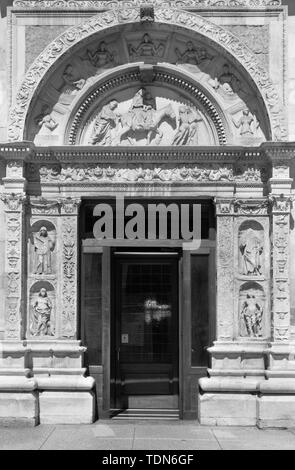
(187,127)
(41,319)
(251,250)
(106,121)
(252,313)
(43,245)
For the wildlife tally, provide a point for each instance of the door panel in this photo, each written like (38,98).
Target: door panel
(146,323)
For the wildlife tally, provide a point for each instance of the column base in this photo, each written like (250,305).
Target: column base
(218,409)
(18,409)
(66,407)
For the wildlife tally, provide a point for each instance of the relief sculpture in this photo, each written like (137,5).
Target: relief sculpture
(251,315)
(41,324)
(146,48)
(100,57)
(192,55)
(251,251)
(44,244)
(140,121)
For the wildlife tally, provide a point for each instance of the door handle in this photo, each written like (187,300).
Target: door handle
(118,354)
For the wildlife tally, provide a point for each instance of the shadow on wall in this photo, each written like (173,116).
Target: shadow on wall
(3,6)
(291,5)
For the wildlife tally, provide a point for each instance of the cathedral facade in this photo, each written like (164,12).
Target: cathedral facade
(146,207)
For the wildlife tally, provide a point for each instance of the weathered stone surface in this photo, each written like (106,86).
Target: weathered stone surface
(227,409)
(18,408)
(66,407)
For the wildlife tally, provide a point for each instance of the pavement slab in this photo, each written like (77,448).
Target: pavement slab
(144,435)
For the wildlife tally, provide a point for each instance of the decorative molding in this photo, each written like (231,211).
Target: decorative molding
(251,207)
(68,326)
(221,37)
(13,207)
(41,206)
(116,4)
(281,207)
(160,77)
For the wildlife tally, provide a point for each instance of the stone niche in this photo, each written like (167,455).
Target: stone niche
(99,65)
(251,249)
(251,311)
(42,311)
(42,249)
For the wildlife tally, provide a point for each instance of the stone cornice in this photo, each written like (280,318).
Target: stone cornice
(267,152)
(191,5)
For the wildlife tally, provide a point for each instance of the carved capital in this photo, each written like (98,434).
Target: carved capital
(224,207)
(69,206)
(281,204)
(13,202)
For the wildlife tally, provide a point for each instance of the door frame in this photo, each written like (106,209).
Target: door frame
(186,371)
(134,257)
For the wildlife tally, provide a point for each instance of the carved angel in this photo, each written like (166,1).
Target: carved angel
(146,48)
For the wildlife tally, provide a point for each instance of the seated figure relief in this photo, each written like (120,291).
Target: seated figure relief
(45,119)
(72,83)
(100,57)
(192,55)
(226,81)
(146,48)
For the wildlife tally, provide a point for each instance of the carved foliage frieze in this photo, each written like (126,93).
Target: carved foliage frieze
(225,277)
(281,207)
(114,4)
(69,277)
(13,206)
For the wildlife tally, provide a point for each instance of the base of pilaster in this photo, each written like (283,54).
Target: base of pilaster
(18,409)
(66,407)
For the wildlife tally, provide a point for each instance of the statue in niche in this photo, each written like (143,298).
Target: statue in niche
(146,48)
(101,57)
(72,83)
(43,245)
(191,55)
(186,133)
(106,121)
(251,250)
(45,119)
(41,317)
(245,123)
(251,314)
(227,81)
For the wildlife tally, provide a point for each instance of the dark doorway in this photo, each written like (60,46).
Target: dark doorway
(145,331)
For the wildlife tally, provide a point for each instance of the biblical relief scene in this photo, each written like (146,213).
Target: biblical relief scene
(77,77)
(251,310)
(150,116)
(42,310)
(251,249)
